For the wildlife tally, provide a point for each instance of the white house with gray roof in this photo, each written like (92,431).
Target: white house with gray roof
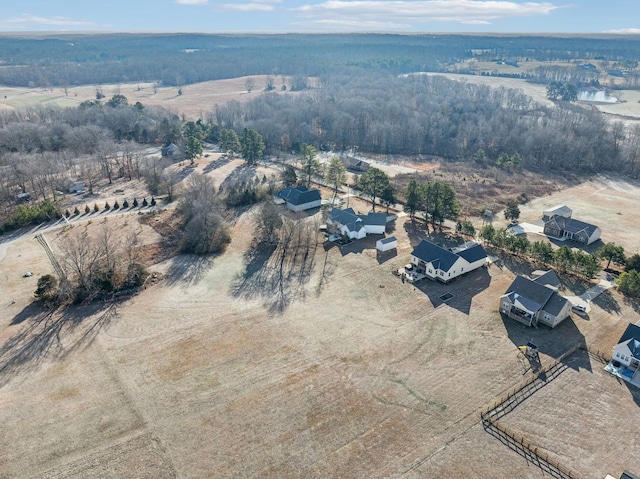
(534,301)
(627,351)
(438,263)
(355,226)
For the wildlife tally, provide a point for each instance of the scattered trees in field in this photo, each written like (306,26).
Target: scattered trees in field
(289,176)
(629,283)
(309,161)
(512,212)
(229,142)
(205,230)
(373,183)
(336,174)
(612,252)
(436,200)
(251,145)
(92,265)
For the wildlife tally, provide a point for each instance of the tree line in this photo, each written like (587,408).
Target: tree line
(427,116)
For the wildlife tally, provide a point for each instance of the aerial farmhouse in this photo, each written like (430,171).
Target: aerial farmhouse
(353,226)
(299,198)
(438,263)
(559,224)
(535,301)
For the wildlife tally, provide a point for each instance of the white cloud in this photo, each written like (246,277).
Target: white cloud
(192,2)
(28,21)
(624,31)
(247,7)
(422,11)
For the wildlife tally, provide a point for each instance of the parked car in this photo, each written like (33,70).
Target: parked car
(579,308)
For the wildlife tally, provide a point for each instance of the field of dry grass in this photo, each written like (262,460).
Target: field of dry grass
(196,101)
(358,376)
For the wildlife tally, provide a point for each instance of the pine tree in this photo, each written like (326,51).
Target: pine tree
(135,202)
(144,202)
(116,205)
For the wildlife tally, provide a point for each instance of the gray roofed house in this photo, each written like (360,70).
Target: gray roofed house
(627,354)
(564,227)
(355,226)
(438,263)
(300,198)
(547,278)
(169,150)
(352,163)
(535,301)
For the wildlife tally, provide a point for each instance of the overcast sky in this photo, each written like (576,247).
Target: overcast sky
(553,16)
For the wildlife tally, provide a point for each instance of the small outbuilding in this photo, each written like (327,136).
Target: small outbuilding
(559,210)
(169,150)
(387,244)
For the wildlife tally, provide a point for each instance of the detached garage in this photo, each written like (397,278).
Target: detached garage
(386,244)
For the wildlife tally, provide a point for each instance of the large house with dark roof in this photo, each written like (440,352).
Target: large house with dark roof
(300,198)
(534,301)
(559,224)
(347,223)
(438,263)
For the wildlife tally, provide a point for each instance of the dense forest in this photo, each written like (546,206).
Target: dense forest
(434,116)
(178,59)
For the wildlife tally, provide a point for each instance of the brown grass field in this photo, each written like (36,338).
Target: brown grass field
(356,375)
(353,375)
(197,100)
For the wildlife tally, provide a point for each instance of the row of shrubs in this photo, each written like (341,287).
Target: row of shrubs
(108,207)
(32,214)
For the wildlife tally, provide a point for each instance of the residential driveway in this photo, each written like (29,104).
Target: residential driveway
(592,293)
(523,228)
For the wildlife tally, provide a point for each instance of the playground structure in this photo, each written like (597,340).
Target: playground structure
(529,358)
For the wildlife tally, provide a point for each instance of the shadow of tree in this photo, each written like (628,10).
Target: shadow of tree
(607,302)
(215,164)
(51,334)
(276,274)
(187,269)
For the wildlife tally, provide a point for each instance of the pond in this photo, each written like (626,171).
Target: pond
(598,96)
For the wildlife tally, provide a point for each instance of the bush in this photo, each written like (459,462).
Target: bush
(76,211)
(106,206)
(153,201)
(87,210)
(95,208)
(125,204)
(67,213)
(47,291)
(34,214)
(144,203)
(135,202)
(116,205)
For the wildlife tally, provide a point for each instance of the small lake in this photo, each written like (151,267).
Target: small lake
(598,96)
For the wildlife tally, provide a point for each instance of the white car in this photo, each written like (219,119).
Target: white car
(579,308)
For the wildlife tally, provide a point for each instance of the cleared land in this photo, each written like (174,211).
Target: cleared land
(608,202)
(196,101)
(358,376)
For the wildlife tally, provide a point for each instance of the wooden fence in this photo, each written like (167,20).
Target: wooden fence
(510,400)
